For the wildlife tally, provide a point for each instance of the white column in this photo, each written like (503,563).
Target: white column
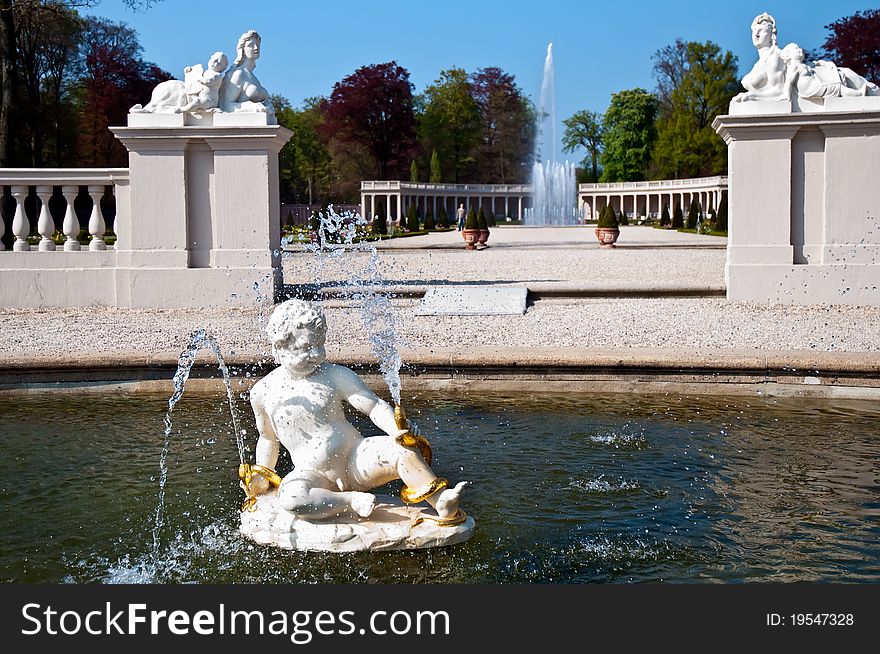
(97,227)
(21,228)
(363,205)
(45,224)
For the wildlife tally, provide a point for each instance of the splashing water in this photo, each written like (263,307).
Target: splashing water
(198,340)
(336,235)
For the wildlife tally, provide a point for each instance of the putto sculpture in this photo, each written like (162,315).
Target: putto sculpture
(782,76)
(325,503)
(215,89)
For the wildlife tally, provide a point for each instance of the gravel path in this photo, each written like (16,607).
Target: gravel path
(552,256)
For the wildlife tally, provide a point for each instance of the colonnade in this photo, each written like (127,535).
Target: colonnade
(647,199)
(505,201)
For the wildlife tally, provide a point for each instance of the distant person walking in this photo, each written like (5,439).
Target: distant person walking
(460,217)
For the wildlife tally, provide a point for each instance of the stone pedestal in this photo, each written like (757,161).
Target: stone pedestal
(205,216)
(393,525)
(804,207)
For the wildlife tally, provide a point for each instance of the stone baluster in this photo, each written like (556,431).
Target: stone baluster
(71,222)
(21,228)
(2,220)
(97,227)
(45,224)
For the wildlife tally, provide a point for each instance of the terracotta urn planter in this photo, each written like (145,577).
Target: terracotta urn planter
(607,236)
(471,238)
(484,236)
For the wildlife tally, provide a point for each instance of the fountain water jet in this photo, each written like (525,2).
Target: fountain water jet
(554,198)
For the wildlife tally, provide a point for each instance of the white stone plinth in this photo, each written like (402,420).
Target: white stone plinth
(393,525)
(205,214)
(804,207)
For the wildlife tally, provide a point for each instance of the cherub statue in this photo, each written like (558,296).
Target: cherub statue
(300,405)
(824,80)
(203,86)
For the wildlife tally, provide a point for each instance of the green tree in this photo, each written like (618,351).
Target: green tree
(436,172)
(629,135)
(450,123)
(414,172)
(442,218)
(607,218)
(664,217)
(687,146)
(584,130)
(429,220)
(481,219)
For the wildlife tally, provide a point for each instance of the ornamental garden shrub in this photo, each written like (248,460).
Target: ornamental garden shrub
(721,220)
(442,218)
(481,220)
(470,221)
(490,219)
(429,219)
(622,219)
(665,220)
(412,219)
(380,222)
(677,218)
(693,215)
(607,218)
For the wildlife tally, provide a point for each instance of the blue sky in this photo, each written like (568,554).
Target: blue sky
(599,47)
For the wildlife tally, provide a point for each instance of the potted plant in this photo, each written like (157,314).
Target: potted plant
(483,225)
(471,231)
(607,230)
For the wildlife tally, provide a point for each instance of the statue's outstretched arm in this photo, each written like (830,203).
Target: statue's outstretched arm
(359,395)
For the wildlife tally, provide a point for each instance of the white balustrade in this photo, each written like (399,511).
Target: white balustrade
(46,182)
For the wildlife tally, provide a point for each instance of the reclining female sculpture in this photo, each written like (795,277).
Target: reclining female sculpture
(782,75)
(236,91)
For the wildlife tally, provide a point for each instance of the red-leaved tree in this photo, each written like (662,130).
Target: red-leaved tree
(373,108)
(854,42)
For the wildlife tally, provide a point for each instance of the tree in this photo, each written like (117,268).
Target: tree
(429,220)
(670,65)
(114,78)
(380,221)
(854,42)
(629,135)
(664,216)
(687,146)
(436,173)
(442,218)
(373,108)
(451,122)
(507,123)
(414,172)
(584,130)
(38,39)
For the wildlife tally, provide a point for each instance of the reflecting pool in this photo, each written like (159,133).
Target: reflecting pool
(566,489)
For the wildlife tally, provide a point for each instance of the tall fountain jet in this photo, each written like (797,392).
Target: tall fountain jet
(554,190)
